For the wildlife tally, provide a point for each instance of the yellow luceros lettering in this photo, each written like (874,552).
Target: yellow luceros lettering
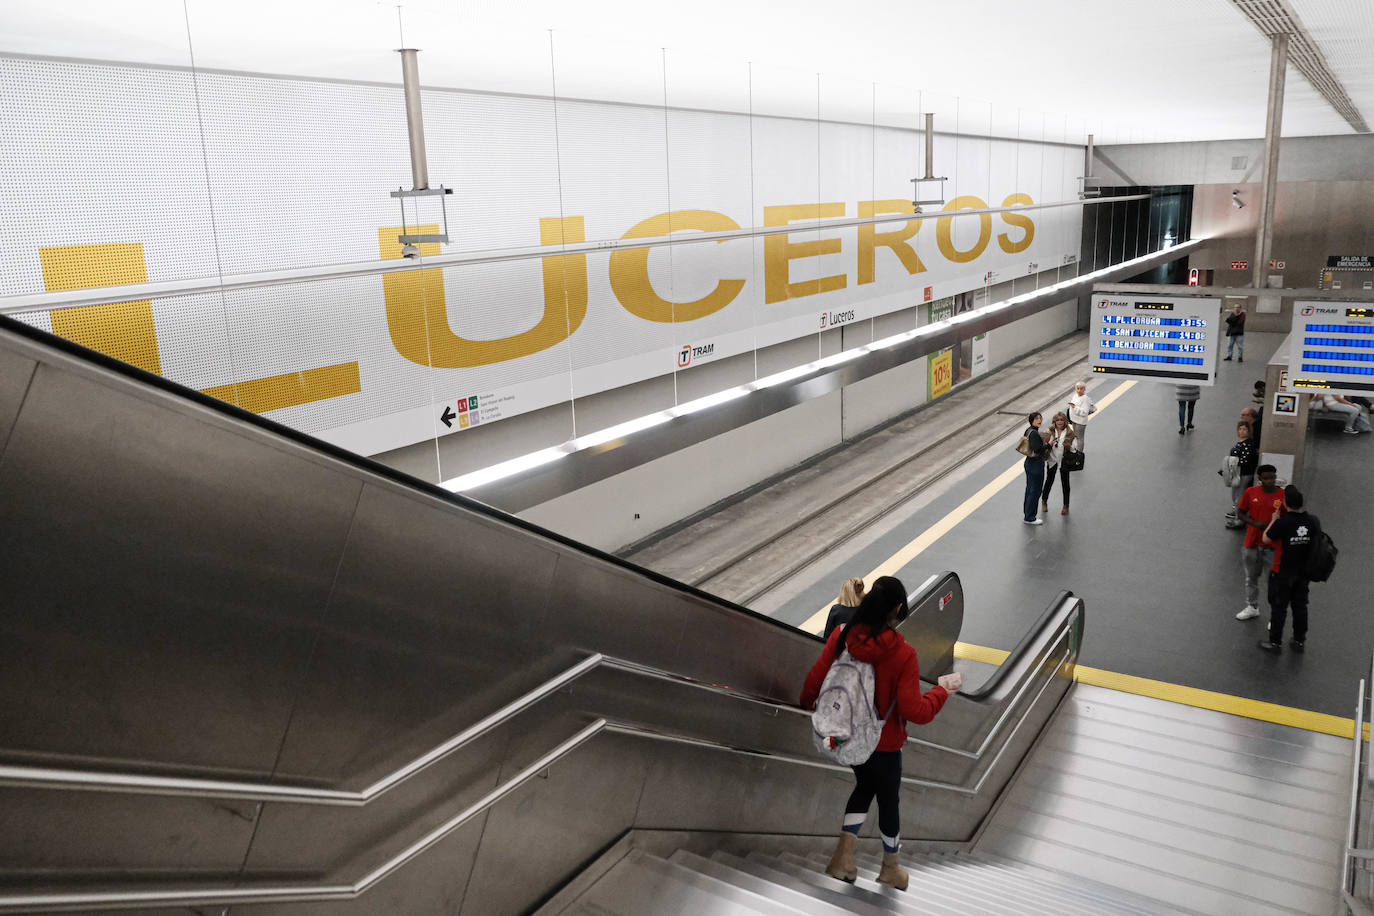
(896,239)
(417,317)
(630,270)
(778,253)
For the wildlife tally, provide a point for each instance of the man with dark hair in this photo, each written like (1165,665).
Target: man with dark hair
(1293,533)
(1258,506)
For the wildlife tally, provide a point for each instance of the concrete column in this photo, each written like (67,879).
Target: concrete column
(1284,436)
(1273,126)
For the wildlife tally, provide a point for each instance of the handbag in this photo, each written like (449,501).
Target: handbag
(1023,447)
(1072,461)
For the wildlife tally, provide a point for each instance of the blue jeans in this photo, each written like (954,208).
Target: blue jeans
(1035,480)
(1236,342)
(1185,408)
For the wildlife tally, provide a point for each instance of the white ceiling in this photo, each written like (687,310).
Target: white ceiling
(1126,70)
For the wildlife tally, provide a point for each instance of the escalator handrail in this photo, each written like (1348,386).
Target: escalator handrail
(302,893)
(56,778)
(1022,648)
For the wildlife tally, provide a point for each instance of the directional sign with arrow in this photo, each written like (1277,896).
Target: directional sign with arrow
(447,416)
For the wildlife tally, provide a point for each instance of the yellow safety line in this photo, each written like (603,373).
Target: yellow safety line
(901,558)
(1188,696)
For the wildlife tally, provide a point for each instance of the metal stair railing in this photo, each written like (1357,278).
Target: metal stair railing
(132,783)
(1353,862)
(72,779)
(320,892)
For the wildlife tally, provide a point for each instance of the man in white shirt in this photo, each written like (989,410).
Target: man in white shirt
(1080,406)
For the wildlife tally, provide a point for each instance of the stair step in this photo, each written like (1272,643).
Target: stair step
(1030,895)
(972,894)
(1249,819)
(1060,769)
(825,888)
(786,893)
(641,883)
(885,899)
(1179,880)
(1233,850)
(921,892)
(1084,893)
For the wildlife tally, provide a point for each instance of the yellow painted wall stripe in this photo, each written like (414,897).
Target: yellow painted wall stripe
(895,563)
(1187,696)
(291,388)
(123,330)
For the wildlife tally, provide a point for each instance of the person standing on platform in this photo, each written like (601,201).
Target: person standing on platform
(1253,417)
(1235,333)
(850,594)
(1187,396)
(871,637)
(1034,466)
(1256,508)
(1293,533)
(1246,458)
(1080,407)
(1061,442)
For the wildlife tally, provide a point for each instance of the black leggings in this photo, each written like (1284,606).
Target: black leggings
(1049,483)
(879,775)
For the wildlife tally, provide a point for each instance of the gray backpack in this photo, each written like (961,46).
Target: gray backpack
(846,723)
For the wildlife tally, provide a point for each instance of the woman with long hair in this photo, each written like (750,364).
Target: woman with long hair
(869,637)
(851,593)
(1061,442)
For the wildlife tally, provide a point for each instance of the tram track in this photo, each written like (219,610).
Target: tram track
(764,563)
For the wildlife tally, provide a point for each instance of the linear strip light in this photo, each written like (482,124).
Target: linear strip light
(533,460)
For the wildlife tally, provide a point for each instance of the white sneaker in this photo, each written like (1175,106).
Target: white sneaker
(1038,521)
(1249,612)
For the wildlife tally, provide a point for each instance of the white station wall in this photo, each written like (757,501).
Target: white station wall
(168,174)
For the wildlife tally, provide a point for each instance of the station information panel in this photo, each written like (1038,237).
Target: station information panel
(1164,338)
(1332,347)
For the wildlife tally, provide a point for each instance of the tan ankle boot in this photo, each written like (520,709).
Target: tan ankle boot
(891,873)
(842,861)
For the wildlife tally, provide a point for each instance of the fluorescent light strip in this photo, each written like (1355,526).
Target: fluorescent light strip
(506,468)
(536,459)
(711,400)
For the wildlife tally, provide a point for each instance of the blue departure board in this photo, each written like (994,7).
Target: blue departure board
(1163,338)
(1332,347)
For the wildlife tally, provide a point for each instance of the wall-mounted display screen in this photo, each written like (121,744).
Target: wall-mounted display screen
(1172,339)
(1332,347)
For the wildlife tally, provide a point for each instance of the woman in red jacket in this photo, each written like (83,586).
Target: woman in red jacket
(869,637)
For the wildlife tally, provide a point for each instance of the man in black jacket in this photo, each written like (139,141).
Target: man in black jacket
(1296,531)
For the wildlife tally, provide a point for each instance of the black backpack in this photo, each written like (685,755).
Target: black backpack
(1321,560)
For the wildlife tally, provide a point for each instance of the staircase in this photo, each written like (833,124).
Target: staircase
(1127,805)
(956,884)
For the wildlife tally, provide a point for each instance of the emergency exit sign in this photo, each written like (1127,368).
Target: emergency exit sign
(1240,265)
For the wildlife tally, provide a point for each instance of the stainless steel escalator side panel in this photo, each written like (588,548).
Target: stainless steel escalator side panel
(934,624)
(16,371)
(434,620)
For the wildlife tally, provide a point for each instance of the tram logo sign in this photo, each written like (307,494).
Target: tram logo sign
(690,352)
